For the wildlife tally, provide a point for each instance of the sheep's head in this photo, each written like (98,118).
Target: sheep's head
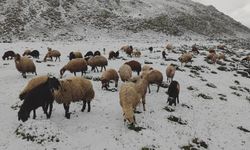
(129,116)
(17,57)
(3,58)
(54,83)
(105,84)
(71,56)
(62,72)
(23,114)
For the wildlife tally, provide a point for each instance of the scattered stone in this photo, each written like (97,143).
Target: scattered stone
(177,120)
(170,59)
(223,68)
(169,109)
(211,85)
(237,94)
(191,88)
(223,98)
(237,82)
(243,129)
(147,62)
(204,96)
(200,143)
(213,72)
(195,72)
(202,79)
(38,61)
(243,73)
(248,98)
(221,63)
(136,129)
(185,105)
(50,65)
(5,64)
(233,88)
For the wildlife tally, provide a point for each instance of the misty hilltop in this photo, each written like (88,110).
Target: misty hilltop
(78,19)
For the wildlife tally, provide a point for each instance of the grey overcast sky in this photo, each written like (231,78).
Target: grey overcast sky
(237,9)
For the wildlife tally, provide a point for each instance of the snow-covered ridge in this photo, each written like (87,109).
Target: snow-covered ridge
(63,19)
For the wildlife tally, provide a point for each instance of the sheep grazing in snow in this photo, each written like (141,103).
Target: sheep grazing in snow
(97,53)
(108,75)
(221,56)
(146,68)
(153,77)
(170,72)
(169,46)
(163,54)
(52,53)
(213,57)
(113,55)
(173,93)
(40,96)
(24,65)
(73,55)
(150,49)
(97,61)
(195,49)
(72,90)
(130,95)
(211,50)
(34,54)
(136,53)
(127,49)
(75,65)
(247,59)
(221,46)
(26,52)
(88,54)
(125,72)
(8,55)
(135,66)
(185,58)
(31,85)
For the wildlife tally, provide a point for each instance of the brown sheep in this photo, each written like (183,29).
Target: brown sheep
(75,65)
(52,53)
(97,61)
(108,75)
(185,58)
(24,65)
(135,66)
(170,72)
(153,77)
(127,49)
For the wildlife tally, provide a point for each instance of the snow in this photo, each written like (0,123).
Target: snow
(213,121)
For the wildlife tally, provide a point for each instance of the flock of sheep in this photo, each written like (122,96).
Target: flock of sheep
(41,91)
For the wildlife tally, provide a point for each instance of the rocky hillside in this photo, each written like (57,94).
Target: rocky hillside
(77,19)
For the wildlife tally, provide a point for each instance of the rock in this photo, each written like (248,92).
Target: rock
(221,63)
(204,96)
(213,72)
(243,73)
(147,62)
(223,68)
(191,88)
(237,82)
(211,85)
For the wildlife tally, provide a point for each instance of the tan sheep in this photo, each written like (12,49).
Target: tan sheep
(153,77)
(24,65)
(221,56)
(26,52)
(129,99)
(127,49)
(52,53)
(146,68)
(73,55)
(98,61)
(213,57)
(185,58)
(136,53)
(32,84)
(169,46)
(108,75)
(170,72)
(246,59)
(72,90)
(125,72)
(75,65)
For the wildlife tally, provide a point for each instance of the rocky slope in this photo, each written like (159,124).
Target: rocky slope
(78,19)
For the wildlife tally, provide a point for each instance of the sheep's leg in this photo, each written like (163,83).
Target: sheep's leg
(55,59)
(66,108)
(24,75)
(134,119)
(158,88)
(104,68)
(97,69)
(74,73)
(143,103)
(116,83)
(34,114)
(178,99)
(50,110)
(89,107)
(59,58)
(149,89)
(83,106)
(138,73)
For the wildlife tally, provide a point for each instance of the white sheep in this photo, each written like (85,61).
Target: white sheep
(107,76)
(24,65)
(75,65)
(98,61)
(72,90)
(125,72)
(170,72)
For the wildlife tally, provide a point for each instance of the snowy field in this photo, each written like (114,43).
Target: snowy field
(214,121)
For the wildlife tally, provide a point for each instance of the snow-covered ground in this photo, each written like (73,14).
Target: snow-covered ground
(214,121)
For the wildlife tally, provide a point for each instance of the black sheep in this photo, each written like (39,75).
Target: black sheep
(34,54)
(112,54)
(41,95)
(150,49)
(173,93)
(97,53)
(116,54)
(164,54)
(88,54)
(8,55)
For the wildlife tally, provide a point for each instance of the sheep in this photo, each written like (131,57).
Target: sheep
(195,49)
(112,55)
(8,55)
(127,49)
(97,61)
(125,72)
(34,54)
(221,56)
(169,46)
(75,65)
(213,57)
(136,53)
(153,77)
(109,74)
(163,54)
(26,52)
(24,65)
(88,54)
(39,96)
(147,68)
(173,93)
(74,89)
(73,55)
(170,72)
(32,84)
(135,66)
(97,53)
(211,50)
(221,46)
(247,59)
(52,53)
(185,58)
(150,49)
